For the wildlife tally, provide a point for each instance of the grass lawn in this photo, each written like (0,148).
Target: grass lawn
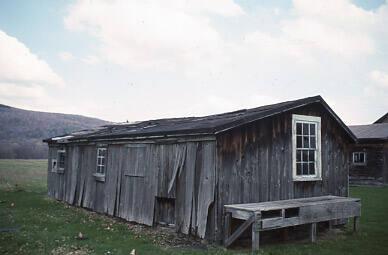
(31,223)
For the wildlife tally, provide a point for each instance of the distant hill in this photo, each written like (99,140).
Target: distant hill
(22,131)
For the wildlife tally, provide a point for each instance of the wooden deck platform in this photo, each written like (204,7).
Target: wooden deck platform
(286,213)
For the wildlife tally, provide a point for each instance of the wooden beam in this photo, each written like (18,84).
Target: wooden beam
(239,231)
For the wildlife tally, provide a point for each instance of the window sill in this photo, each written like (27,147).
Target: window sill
(307,179)
(99,177)
(60,171)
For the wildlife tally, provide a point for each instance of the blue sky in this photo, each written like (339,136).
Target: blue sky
(133,60)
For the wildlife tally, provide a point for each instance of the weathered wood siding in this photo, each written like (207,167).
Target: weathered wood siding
(254,163)
(375,170)
(138,174)
(187,183)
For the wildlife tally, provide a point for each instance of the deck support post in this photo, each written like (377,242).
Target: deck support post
(356,223)
(256,226)
(227,225)
(313,232)
(330,225)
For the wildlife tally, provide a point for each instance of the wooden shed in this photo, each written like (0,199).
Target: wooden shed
(370,154)
(182,171)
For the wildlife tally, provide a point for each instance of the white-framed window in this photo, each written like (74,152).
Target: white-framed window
(53,165)
(101,161)
(61,158)
(306,147)
(359,158)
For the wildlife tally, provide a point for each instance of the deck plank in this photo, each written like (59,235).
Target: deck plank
(290,203)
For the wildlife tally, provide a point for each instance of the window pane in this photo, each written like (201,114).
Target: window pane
(298,128)
(311,155)
(298,168)
(306,142)
(312,129)
(103,169)
(312,142)
(299,142)
(359,157)
(312,168)
(298,155)
(306,129)
(355,157)
(103,161)
(61,160)
(305,168)
(305,156)
(101,152)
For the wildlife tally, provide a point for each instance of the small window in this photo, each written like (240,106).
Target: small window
(359,158)
(101,161)
(61,160)
(53,165)
(306,147)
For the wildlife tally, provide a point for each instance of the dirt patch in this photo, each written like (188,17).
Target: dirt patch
(71,250)
(163,236)
(167,237)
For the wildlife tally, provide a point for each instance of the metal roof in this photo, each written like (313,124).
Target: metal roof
(382,119)
(206,125)
(377,131)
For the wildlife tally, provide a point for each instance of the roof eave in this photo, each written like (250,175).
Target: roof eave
(372,140)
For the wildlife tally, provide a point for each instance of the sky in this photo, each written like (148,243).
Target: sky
(135,60)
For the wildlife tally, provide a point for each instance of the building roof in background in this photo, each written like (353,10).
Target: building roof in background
(383,119)
(377,131)
(206,125)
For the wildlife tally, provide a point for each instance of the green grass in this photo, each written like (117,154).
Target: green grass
(45,226)
(30,175)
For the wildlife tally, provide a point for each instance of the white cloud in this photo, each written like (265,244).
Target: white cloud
(91,60)
(335,26)
(65,56)
(174,34)
(18,65)
(379,78)
(216,49)
(12,91)
(146,34)
(24,78)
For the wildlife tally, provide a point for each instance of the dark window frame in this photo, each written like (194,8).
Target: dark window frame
(357,154)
